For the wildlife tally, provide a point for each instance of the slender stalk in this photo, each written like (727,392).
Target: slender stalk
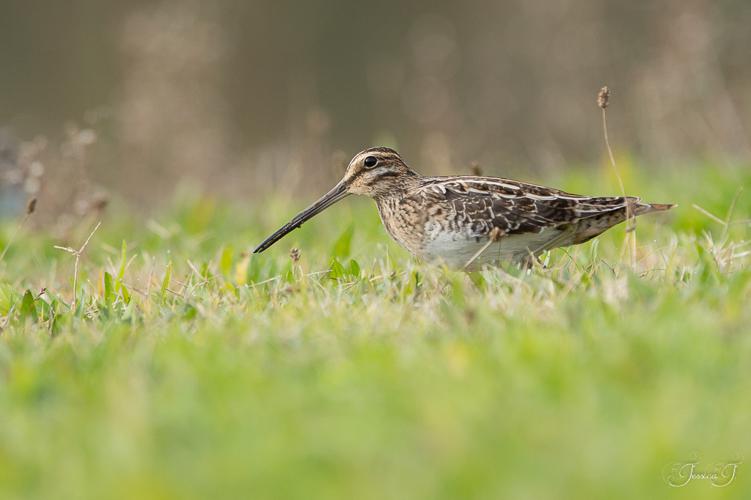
(30,208)
(603,100)
(494,236)
(77,254)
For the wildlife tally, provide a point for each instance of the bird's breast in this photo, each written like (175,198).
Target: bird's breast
(431,232)
(405,222)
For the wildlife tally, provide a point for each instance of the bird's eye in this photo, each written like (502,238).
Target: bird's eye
(370,161)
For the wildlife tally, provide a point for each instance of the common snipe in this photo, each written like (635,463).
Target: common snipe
(470,221)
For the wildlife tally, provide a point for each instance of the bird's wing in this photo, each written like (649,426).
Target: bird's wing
(515,207)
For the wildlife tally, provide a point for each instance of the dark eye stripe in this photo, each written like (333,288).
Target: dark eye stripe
(387,173)
(376,175)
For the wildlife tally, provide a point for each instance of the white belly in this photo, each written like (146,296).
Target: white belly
(457,249)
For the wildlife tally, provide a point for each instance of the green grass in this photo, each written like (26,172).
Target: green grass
(189,370)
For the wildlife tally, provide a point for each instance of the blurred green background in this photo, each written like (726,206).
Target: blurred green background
(245,97)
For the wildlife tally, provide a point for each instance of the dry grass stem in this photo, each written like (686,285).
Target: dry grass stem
(709,214)
(730,213)
(728,220)
(77,254)
(603,101)
(294,254)
(30,209)
(494,236)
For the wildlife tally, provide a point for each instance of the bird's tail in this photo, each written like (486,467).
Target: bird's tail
(647,208)
(596,225)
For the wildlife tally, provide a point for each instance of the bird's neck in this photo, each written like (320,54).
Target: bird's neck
(396,187)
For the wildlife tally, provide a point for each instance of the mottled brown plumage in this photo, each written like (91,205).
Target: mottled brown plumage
(470,221)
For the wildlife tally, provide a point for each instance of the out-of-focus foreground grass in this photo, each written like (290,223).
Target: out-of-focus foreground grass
(189,369)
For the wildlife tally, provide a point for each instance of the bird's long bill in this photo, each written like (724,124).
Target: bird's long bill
(337,193)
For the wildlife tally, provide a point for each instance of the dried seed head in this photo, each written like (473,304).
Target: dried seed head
(603,97)
(475,168)
(495,234)
(31,206)
(294,254)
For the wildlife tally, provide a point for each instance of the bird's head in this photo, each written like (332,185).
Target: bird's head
(374,172)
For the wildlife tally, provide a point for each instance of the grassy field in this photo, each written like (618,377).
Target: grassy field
(188,369)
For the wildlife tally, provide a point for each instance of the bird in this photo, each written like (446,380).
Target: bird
(469,222)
